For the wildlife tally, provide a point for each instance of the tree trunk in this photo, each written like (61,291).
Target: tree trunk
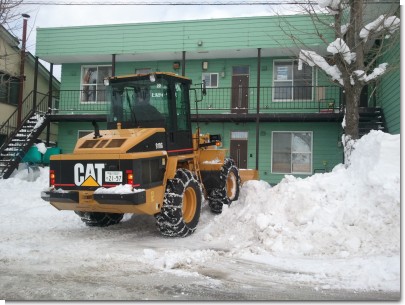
(352,111)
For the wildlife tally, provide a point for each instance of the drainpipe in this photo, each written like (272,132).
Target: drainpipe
(50,94)
(34,101)
(113,65)
(259,53)
(22,63)
(183,64)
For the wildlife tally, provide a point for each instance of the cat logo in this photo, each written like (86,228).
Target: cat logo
(90,174)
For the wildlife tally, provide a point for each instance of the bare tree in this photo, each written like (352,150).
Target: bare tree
(353,51)
(9,56)
(9,12)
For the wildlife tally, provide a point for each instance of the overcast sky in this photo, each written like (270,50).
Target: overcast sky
(60,16)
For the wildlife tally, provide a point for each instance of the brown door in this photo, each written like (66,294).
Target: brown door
(240,93)
(238,152)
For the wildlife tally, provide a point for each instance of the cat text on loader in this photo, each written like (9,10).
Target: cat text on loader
(148,161)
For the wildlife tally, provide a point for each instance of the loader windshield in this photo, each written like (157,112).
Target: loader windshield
(140,103)
(156,100)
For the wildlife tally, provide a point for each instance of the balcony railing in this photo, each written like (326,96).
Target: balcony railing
(272,100)
(79,102)
(308,99)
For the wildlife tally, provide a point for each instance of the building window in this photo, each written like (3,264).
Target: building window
(143,71)
(9,89)
(292,152)
(291,84)
(211,79)
(93,89)
(83,133)
(239,135)
(240,70)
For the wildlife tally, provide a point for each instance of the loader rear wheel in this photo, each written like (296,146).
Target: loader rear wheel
(181,206)
(96,219)
(229,190)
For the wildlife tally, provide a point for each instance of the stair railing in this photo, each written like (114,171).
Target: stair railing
(10,127)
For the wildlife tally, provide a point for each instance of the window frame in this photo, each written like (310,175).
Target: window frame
(82,85)
(293,152)
(83,131)
(239,135)
(9,92)
(143,70)
(210,74)
(292,63)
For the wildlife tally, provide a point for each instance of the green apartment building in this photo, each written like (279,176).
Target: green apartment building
(271,115)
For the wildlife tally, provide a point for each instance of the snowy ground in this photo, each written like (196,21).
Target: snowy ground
(330,236)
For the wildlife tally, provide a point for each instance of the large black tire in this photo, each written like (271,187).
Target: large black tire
(229,187)
(96,219)
(181,206)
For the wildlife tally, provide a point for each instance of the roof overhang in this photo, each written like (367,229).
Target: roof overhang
(177,55)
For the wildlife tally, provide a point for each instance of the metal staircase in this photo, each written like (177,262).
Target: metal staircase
(370,118)
(13,152)
(20,137)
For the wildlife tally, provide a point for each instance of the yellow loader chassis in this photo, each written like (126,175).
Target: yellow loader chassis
(149,202)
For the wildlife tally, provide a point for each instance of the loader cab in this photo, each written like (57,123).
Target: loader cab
(155,100)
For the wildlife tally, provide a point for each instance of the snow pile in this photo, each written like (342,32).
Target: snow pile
(333,6)
(177,259)
(119,189)
(312,59)
(339,230)
(378,71)
(382,23)
(349,212)
(41,147)
(339,46)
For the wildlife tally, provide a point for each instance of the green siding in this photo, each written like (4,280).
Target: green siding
(325,142)
(389,95)
(68,134)
(218,99)
(216,34)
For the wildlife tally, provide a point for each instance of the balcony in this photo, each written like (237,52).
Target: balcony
(309,103)
(317,103)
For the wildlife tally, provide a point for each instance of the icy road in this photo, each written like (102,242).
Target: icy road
(332,236)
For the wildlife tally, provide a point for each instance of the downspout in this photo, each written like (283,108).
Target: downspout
(113,65)
(259,51)
(50,94)
(183,64)
(34,100)
(22,64)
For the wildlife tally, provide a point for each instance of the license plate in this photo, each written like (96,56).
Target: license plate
(113,176)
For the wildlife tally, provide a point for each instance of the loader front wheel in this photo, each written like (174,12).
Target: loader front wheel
(181,206)
(96,219)
(229,187)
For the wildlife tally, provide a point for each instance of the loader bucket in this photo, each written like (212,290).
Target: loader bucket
(248,174)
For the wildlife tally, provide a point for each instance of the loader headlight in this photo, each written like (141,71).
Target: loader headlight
(106,82)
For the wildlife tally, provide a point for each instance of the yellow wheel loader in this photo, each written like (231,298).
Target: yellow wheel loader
(148,161)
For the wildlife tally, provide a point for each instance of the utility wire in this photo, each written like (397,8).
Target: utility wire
(157,2)
(186,3)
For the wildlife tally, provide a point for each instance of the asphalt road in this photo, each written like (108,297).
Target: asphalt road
(224,280)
